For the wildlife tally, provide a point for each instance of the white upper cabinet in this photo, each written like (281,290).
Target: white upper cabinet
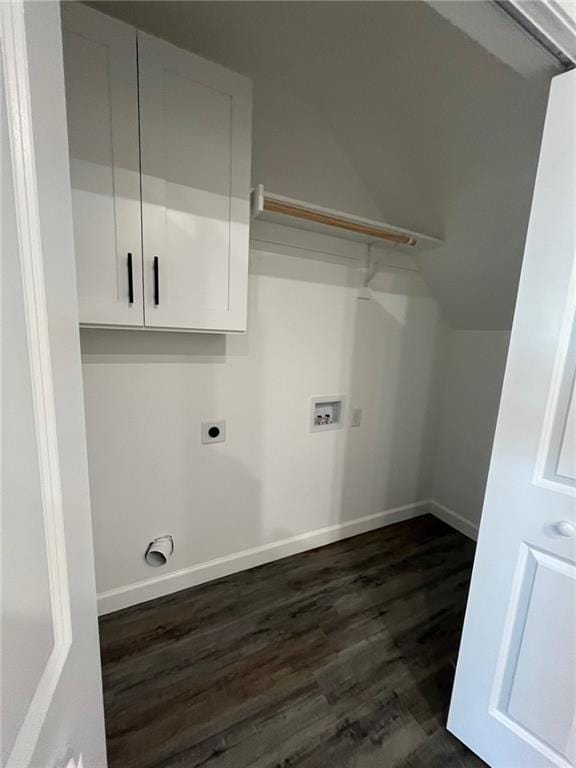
(195,129)
(160,145)
(102,104)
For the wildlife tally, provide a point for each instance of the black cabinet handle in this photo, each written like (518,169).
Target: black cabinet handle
(156,282)
(130,280)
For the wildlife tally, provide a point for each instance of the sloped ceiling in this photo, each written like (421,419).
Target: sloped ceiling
(442,135)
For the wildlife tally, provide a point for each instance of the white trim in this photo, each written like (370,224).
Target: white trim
(19,118)
(122,597)
(453,519)
(554,20)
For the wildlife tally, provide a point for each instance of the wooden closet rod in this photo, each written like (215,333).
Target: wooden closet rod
(307,214)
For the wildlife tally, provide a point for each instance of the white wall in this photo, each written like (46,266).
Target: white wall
(473,369)
(147,393)
(295,152)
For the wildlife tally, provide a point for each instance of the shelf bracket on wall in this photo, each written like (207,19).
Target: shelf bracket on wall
(368,272)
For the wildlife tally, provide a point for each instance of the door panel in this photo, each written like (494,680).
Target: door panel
(197,218)
(102,105)
(535,687)
(195,133)
(514,698)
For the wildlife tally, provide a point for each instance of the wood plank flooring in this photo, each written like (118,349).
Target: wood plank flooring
(341,657)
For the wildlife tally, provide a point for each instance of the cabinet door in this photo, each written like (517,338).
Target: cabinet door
(195,128)
(100,63)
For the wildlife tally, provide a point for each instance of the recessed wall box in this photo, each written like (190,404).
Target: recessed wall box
(327,413)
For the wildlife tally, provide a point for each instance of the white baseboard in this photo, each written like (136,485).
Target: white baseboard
(453,519)
(132,594)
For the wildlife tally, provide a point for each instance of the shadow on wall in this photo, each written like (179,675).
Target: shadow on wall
(117,346)
(388,461)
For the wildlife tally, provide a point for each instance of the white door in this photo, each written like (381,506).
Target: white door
(195,127)
(50,674)
(514,699)
(102,103)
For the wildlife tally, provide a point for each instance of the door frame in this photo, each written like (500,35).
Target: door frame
(60,712)
(19,121)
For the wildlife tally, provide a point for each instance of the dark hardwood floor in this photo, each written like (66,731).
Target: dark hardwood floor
(341,657)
